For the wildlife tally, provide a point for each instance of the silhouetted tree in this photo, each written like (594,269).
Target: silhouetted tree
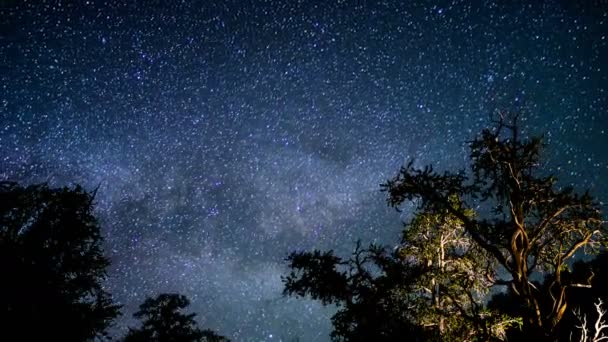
(52,266)
(526,224)
(371,290)
(163,321)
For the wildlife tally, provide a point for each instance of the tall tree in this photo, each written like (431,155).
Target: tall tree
(163,321)
(53,265)
(530,226)
(505,222)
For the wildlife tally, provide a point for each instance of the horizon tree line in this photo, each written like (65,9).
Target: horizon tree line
(53,265)
(487,255)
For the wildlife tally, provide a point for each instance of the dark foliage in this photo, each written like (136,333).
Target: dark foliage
(52,266)
(163,321)
(368,289)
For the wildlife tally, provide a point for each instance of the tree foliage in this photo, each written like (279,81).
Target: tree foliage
(502,222)
(530,227)
(427,288)
(449,294)
(371,289)
(163,321)
(53,265)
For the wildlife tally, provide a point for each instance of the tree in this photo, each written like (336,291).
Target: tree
(425,289)
(163,322)
(504,222)
(450,292)
(370,288)
(53,265)
(530,226)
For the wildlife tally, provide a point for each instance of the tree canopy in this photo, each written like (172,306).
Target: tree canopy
(163,321)
(370,287)
(53,265)
(504,221)
(530,226)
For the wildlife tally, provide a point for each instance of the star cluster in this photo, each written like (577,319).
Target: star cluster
(225,134)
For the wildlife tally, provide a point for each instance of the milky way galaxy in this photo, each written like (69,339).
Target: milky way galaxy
(225,134)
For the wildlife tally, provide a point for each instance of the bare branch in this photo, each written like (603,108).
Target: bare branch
(598,326)
(599,323)
(579,244)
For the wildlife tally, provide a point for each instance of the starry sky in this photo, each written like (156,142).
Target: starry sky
(225,134)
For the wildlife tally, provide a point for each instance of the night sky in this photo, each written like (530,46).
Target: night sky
(225,134)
